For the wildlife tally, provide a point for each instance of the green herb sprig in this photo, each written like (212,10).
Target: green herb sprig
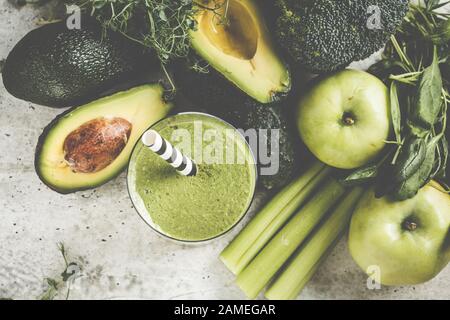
(162,25)
(70,273)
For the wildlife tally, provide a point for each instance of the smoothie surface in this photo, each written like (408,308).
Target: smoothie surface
(200,207)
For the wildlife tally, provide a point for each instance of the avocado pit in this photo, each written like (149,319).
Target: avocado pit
(230,27)
(96,144)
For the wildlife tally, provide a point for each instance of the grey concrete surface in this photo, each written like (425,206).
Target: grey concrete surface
(119,255)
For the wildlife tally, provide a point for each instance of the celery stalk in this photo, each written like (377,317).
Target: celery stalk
(280,220)
(293,279)
(267,222)
(259,272)
(303,282)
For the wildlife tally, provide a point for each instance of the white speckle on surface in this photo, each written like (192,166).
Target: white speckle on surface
(120,256)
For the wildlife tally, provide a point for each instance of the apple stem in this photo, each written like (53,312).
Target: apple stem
(410,226)
(348,119)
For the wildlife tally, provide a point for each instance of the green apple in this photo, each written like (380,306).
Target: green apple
(408,241)
(345,119)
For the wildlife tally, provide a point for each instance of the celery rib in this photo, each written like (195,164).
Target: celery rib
(300,270)
(266,223)
(265,265)
(303,282)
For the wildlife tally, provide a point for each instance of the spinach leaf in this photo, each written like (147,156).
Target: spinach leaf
(410,159)
(360,176)
(428,101)
(409,188)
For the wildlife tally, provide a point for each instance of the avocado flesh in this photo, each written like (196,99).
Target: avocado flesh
(141,107)
(236,44)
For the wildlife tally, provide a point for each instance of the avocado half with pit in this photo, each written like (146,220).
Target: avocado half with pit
(232,36)
(91,144)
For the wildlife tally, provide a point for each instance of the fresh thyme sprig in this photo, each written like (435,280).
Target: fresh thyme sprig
(162,25)
(70,273)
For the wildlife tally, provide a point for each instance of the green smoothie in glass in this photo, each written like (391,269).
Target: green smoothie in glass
(200,207)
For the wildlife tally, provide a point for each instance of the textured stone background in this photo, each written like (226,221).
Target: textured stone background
(120,256)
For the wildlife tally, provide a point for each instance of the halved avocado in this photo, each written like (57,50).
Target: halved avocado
(232,36)
(91,144)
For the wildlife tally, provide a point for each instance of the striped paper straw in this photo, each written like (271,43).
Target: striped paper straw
(155,142)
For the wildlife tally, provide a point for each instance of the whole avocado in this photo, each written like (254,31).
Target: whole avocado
(58,67)
(327,35)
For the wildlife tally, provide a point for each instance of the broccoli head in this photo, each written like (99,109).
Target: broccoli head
(326,35)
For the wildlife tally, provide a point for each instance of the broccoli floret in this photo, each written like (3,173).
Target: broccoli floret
(326,35)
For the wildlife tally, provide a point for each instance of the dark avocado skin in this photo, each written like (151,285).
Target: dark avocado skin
(58,67)
(273,117)
(213,94)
